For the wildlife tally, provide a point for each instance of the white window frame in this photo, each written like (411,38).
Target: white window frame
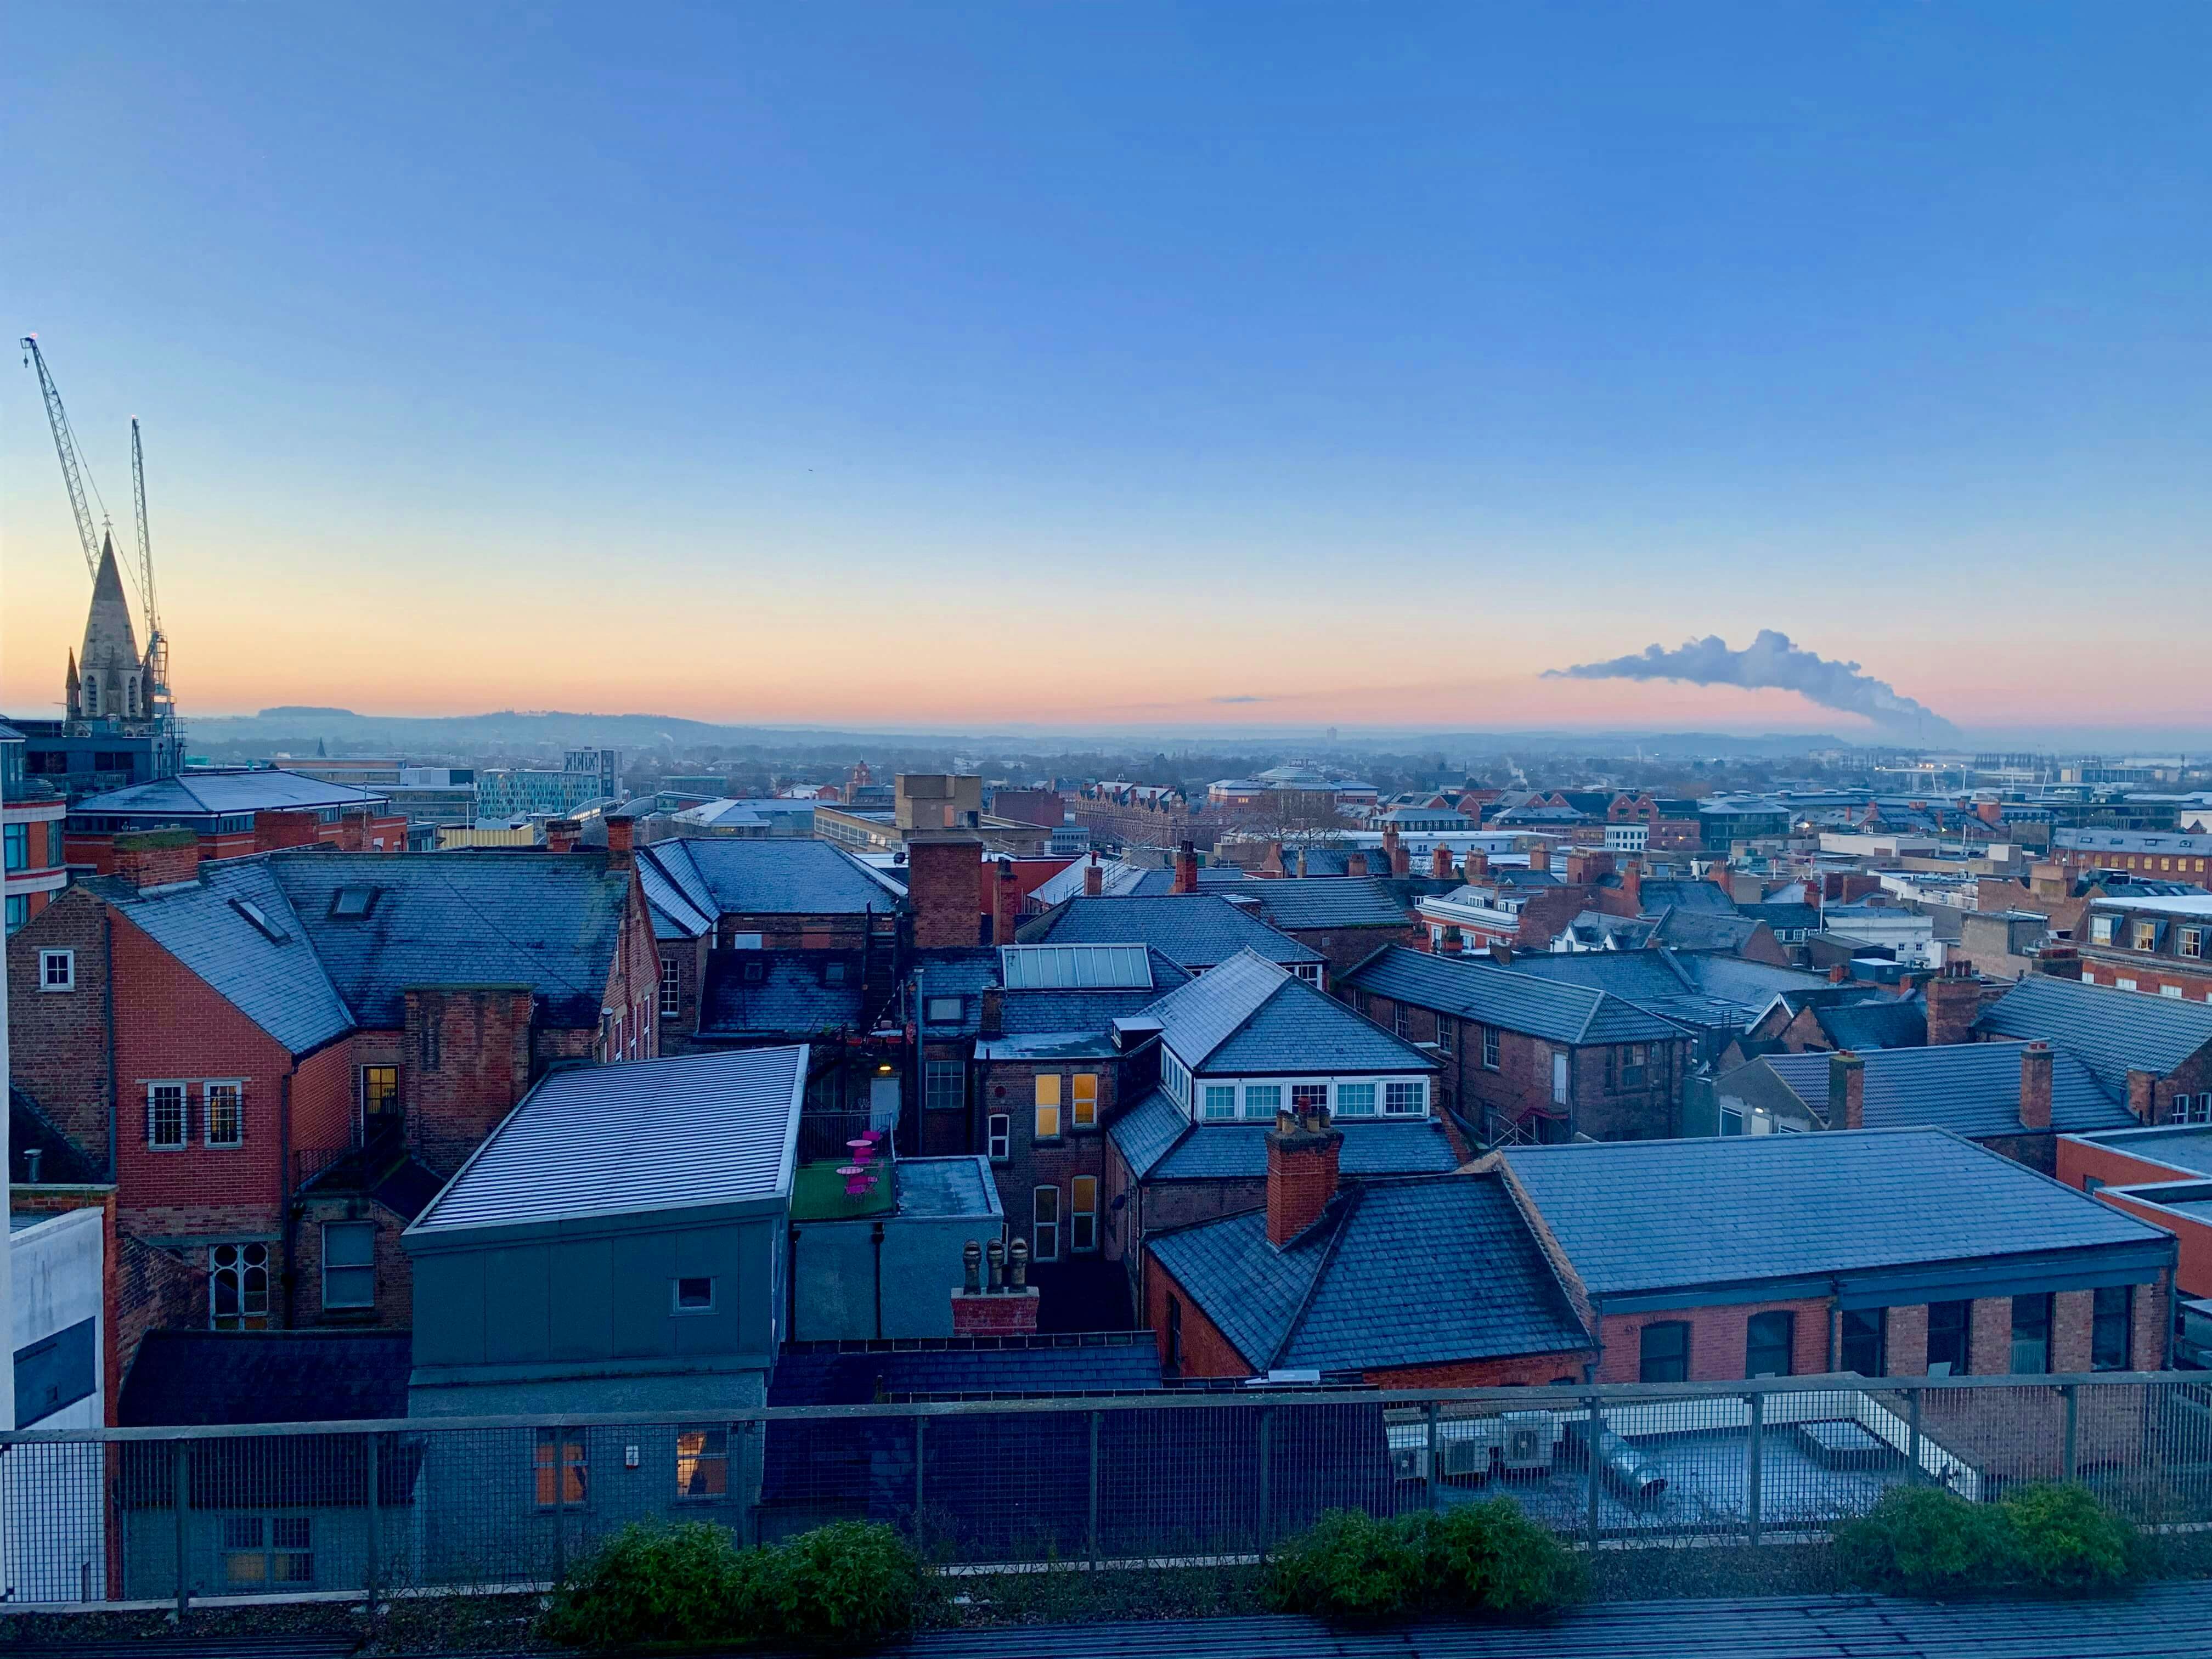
(1308,971)
(1321,1104)
(1044,1233)
(999,1136)
(2102,929)
(367,1267)
(1563,1067)
(1041,1128)
(1363,1103)
(1223,1094)
(1406,1097)
(1076,1119)
(1490,1046)
(2191,944)
(68,961)
(1447,1034)
(1401,1021)
(2190,1109)
(237,1087)
(943,1011)
(1261,1101)
(237,1270)
(671,985)
(184,1114)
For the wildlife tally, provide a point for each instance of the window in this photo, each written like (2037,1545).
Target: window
(1632,1057)
(1308,971)
(258,1550)
(2110,1314)
(2192,942)
(164,1116)
(2146,936)
(1083,1213)
(944,1084)
(1863,1350)
(1082,1100)
(1044,1224)
(2031,1335)
(560,1468)
(671,991)
(57,970)
(348,1264)
(1221,1100)
(1402,1020)
(702,1463)
(2124,984)
(1490,1047)
(225,1122)
(17,838)
(1262,1100)
(19,910)
(1770,1339)
(999,1131)
(1047,1106)
(238,1287)
(1664,1354)
(1308,1099)
(1949,1327)
(2101,930)
(692,1296)
(264,924)
(379,1095)
(753,972)
(1559,1076)
(1355,1100)
(941,1011)
(353,904)
(1406,1099)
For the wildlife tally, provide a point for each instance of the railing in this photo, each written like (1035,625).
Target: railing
(1181,1477)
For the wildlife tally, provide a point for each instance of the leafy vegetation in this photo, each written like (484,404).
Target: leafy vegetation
(1478,1558)
(1924,1541)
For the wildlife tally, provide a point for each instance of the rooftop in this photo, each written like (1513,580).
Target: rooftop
(1480,991)
(1159,1142)
(1251,1015)
(694,880)
(1971,1088)
(631,1138)
(195,1379)
(1193,930)
(220,794)
(2109,1029)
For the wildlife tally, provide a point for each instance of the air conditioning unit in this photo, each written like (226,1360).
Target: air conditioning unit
(1409,1462)
(1528,1437)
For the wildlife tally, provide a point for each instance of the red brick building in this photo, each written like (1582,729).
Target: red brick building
(233,811)
(274,1058)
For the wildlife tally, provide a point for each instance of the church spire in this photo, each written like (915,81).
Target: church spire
(108,668)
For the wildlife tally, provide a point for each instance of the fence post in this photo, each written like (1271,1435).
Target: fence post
(1752,1464)
(1914,1474)
(2073,1412)
(560,1506)
(1267,1478)
(375,1523)
(921,1455)
(1095,1417)
(182,1473)
(1436,1460)
(1597,1464)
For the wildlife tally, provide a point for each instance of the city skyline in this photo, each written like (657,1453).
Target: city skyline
(915,371)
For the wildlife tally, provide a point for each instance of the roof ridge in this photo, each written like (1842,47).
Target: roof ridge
(1346,1202)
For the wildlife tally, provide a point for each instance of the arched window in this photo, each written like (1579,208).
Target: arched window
(91,695)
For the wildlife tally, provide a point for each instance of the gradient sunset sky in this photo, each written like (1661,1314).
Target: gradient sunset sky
(1220,364)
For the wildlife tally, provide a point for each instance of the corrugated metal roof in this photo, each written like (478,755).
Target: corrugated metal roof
(1070,967)
(2111,1030)
(652,1134)
(1663,1215)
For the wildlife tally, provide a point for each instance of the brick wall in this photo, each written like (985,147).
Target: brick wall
(941,893)
(469,1050)
(154,1288)
(633,978)
(1536,1371)
(58,1040)
(1206,1351)
(1718,1337)
(1010,1086)
(395,1278)
(1345,948)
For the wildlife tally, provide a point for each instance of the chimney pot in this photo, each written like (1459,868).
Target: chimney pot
(997,1252)
(1302,863)
(2035,1086)
(31,1157)
(1018,1265)
(971,1261)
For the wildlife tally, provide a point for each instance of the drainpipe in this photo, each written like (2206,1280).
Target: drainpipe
(107,1014)
(285,1186)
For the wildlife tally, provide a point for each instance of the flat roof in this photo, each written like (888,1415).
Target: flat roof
(2180,1146)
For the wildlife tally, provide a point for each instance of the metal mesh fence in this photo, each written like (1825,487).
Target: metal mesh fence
(1181,1477)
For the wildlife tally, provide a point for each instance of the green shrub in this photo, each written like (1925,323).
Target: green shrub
(1928,1542)
(1346,1565)
(1492,1557)
(850,1585)
(650,1582)
(2069,1543)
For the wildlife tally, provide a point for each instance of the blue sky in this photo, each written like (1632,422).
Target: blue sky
(966,363)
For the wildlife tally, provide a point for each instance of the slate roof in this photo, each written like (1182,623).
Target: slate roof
(1329,902)
(1671,893)
(1878,1023)
(283,986)
(492,918)
(1193,930)
(968,971)
(214,794)
(645,1135)
(1703,930)
(856,1374)
(390,1175)
(2109,1030)
(60,1160)
(1238,1152)
(719,876)
(1250,1015)
(1144,1133)
(1778,915)
(201,1379)
(1372,1284)
(1971,1088)
(1480,991)
(792,998)
(1665,1215)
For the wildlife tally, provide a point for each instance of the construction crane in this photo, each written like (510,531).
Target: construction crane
(74,474)
(157,642)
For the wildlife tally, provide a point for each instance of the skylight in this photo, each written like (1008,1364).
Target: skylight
(352,903)
(261,919)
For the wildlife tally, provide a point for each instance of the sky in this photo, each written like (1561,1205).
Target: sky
(1220,364)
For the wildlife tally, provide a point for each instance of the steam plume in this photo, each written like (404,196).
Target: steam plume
(1771,660)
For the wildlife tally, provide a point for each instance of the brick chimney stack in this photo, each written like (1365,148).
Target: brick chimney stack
(1186,869)
(1355,864)
(157,858)
(2143,1095)
(1008,1306)
(1474,869)
(1846,1091)
(1301,864)
(1094,877)
(940,891)
(991,1012)
(1440,862)
(562,834)
(1632,885)
(1401,856)
(2035,1086)
(2059,962)
(1954,1002)
(1302,1174)
(1005,904)
(272,830)
(1540,856)
(621,837)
